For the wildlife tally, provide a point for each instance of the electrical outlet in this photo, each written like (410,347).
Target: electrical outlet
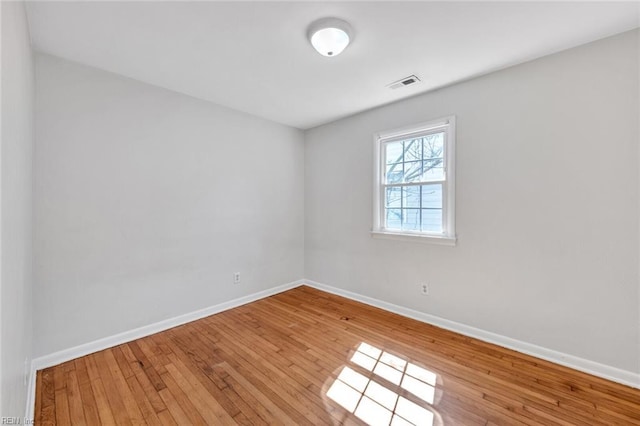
(236,278)
(424,288)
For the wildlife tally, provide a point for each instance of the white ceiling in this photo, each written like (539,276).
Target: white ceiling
(254,56)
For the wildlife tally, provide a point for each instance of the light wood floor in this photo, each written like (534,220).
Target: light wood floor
(305,357)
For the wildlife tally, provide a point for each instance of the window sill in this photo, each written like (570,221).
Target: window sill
(416,238)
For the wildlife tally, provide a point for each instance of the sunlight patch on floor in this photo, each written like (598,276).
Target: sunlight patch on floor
(376,404)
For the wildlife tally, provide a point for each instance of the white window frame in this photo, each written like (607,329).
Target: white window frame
(448,236)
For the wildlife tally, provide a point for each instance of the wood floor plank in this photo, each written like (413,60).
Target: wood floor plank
(166,419)
(123,363)
(76,409)
(220,405)
(179,404)
(153,395)
(132,408)
(296,358)
(203,366)
(295,390)
(46,390)
(272,413)
(260,380)
(115,399)
(209,409)
(102,403)
(148,412)
(62,408)
(38,404)
(89,404)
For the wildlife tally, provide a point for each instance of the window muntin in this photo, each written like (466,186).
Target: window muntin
(415,180)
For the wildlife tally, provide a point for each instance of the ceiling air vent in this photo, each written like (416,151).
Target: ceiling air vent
(407,81)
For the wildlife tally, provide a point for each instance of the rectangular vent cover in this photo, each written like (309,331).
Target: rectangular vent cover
(407,81)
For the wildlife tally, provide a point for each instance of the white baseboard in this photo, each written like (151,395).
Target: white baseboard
(601,370)
(618,375)
(31,396)
(147,330)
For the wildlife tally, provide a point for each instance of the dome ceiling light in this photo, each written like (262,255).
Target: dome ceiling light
(330,36)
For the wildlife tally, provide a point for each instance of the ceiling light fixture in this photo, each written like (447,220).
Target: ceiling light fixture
(330,36)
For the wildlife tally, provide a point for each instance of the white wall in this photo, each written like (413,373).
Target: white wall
(147,202)
(16,202)
(547,205)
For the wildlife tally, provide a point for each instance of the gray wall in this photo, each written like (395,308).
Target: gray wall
(147,202)
(547,205)
(16,206)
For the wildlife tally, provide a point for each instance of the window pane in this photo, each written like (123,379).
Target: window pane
(394,152)
(433,170)
(394,173)
(433,146)
(410,219)
(432,196)
(413,149)
(394,197)
(432,220)
(412,171)
(415,160)
(394,219)
(414,208)
(410,196)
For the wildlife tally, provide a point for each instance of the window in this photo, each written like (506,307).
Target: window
(414,183)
